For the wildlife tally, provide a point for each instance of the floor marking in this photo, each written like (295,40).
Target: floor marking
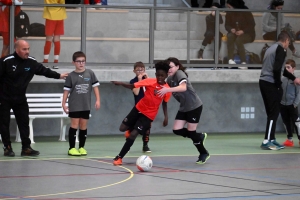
(84,190)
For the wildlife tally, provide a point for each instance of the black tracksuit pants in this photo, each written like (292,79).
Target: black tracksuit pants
(271,96)
(21,112)
(289,115)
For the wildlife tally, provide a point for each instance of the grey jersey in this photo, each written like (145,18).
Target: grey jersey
(188,100)
(275,55)
(80,86)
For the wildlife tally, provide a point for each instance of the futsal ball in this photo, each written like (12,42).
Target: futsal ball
(144,163)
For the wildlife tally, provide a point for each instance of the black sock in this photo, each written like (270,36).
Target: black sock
(196,138)
(129,142)
(72,137)
(82,137)
(146,138)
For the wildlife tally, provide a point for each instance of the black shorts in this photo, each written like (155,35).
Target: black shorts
(192,116)
(80,114)
(136,120)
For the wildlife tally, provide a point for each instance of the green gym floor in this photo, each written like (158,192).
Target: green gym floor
(237,169)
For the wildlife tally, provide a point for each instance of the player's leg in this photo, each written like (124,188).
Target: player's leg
(59,30)
(85,115)
(49,32)
(75,117)
(4,128)
(146,138)
(142,125)
(193,118)
(129,121)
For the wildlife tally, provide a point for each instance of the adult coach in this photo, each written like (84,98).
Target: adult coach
(270,87)
(16,71)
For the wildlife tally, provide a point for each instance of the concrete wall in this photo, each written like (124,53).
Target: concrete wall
(232,102)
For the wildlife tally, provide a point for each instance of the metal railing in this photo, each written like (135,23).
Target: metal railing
(152,21)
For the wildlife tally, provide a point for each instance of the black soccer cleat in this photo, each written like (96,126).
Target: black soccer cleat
(146,149)
(203,158)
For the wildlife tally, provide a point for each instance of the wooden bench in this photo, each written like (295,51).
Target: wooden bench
(46,105)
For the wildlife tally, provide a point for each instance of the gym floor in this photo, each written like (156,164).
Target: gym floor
(237,169)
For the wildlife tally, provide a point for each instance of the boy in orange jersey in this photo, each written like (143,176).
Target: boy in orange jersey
(138,121)
(54,28)
(138,93)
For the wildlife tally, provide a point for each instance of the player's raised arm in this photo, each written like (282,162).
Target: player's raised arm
(126,85)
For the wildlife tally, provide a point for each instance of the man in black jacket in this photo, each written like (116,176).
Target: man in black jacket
(16,71)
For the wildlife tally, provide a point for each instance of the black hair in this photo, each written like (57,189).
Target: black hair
(236,3)
(275,3)
(177,63)
(283,36)
(216,4)
(78,54)
(162,65)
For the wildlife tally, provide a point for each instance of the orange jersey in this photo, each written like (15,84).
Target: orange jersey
(150,103)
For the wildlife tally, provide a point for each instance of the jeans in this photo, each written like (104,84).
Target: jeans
(239,41)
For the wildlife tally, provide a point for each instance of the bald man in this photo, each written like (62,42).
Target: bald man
(16,71)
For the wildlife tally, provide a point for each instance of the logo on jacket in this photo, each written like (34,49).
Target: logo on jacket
(86,79)
(27,69)
(14,68)
(81,76)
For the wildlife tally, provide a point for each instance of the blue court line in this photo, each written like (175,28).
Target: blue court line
(249,197)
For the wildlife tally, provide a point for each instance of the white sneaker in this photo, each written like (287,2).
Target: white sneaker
(296,54)
(100,8)
(243,63)
(231,62)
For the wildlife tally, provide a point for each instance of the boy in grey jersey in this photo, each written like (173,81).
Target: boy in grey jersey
(78,86)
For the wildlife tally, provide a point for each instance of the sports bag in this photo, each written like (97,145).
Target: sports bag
(22,24)
(263,51)
(37,30)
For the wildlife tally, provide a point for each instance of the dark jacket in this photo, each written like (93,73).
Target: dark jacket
(210,24)
(245,21)
(16,73)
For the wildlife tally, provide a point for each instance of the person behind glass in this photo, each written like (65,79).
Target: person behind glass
(16,71)
(269,24)
(138,94)
(289,104)
(79,84)
(273,68)
(54,28)
(4,22)
(190,108)
(209,34)
(240,27)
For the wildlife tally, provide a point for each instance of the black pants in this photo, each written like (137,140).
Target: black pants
(21,112)
(289,115)
(271,96)
(239,41)
(209,37)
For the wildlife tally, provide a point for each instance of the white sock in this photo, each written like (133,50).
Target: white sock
(265,141)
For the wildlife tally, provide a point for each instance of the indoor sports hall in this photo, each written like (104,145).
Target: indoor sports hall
(114,37)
